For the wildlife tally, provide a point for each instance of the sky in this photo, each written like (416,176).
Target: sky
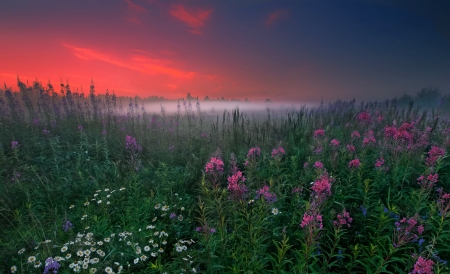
(287,51)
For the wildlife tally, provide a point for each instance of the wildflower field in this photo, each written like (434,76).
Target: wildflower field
(90,184)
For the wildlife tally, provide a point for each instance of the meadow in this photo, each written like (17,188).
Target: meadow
(92,184)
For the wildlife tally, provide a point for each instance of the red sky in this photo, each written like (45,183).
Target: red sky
(282,50)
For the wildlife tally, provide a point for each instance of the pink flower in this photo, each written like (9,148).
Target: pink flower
(420,229)
(364,117)
(428,182)
(253,152)
(379,162)
(354,163)
(214,165)
(343,219)
(434,155)
(322,185)
(278,152)
(350,148)
(423,266)
(355,134)
(406,230)
(268,196)
(334,142)
(313,219)
(368,139)
(318,165)
(319,133)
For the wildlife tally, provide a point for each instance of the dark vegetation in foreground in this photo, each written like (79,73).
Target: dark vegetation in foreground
(88,185)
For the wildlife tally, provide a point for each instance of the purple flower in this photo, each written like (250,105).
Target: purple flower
(364,210)
(67,225)
(80,127)
(51,265)
(213,230)
(173,215)
(14,144)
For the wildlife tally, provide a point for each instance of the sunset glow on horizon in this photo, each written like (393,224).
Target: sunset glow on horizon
(292,51)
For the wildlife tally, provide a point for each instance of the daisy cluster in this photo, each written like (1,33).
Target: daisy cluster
(89,252)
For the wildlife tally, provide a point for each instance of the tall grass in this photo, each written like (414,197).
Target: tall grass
(91,184)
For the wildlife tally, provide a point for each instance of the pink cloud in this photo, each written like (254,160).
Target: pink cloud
(194,19)
(142,64)
(275,16)
(135,8)
(133,20)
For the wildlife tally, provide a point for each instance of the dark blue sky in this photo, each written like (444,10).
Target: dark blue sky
(283,50)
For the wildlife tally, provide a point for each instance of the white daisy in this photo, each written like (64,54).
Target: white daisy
(31,259)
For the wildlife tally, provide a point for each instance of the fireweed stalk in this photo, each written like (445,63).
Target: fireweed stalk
(406,231)
(312,223)
(251,163)
(343,220)
(134,149)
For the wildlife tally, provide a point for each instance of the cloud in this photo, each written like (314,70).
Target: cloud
(275,16)
(135,8)
(134,20)
(134,12)
(194,19)
(142,64)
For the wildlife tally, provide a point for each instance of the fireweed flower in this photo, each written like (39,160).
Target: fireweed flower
(335,142)
(354,163)
(428,182)
(278,152)
(253,153)
(319,133)
(322,186)
(355,134)
(312,220)
(405,231)
(364,117)
(350,148)
(268,196)
(214,170)
(369,139)
(379,162)
(434,155)
(214,165)
(423,266)
(343,219)
(236,186)
(443,203)
(130,143)
(318,165)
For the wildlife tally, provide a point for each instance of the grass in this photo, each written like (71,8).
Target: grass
(89,185)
